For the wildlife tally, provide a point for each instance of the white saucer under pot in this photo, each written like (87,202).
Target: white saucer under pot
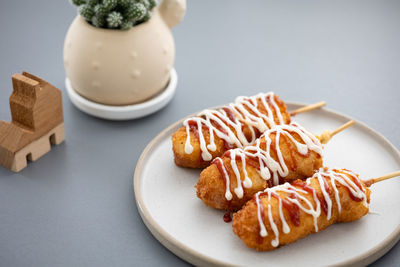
(127,112)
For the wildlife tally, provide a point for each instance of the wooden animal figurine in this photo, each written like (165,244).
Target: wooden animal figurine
(37,122)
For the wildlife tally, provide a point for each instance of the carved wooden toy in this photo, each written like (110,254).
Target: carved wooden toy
(37,122)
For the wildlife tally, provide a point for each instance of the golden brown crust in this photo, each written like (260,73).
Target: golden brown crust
(245,223)
(211,185)
(194,160)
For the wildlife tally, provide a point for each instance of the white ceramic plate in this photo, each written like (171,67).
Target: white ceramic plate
(127,112)
(166,199)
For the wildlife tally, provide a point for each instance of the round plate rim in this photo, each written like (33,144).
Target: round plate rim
(126,112)
(194,257)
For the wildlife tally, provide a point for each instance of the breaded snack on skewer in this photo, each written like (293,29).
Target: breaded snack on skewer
(285,213)
(284,153)
(237,125)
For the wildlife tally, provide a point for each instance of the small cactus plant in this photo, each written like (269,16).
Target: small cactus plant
(115,14)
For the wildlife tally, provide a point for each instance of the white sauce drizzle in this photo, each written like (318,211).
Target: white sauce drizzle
(263,230)
(233,130)
(285,226)
(228,194)
(305,204)
(268,166)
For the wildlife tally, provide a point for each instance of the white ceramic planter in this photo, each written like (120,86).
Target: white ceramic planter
(126,112)
(115,67)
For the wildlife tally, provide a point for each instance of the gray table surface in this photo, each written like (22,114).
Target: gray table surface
(76,207)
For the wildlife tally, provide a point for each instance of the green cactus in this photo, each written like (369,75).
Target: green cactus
(92,3)
(153,3)
(78,2)
(99,22)
(125,3)
(100,11)
(110,4)
(147,16)
(114,19)
(146,3)
(126,25)
(115,14)
(136,12)
(86,11)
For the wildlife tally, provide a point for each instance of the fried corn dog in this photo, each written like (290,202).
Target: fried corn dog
(285,213)
(284,153)
(237,125)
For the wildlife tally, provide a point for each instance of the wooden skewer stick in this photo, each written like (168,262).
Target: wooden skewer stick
(382,178)
(327,135)
(307,108)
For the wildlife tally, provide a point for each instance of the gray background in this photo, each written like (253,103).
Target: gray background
(75,206)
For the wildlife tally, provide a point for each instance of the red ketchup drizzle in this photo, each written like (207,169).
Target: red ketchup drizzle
(269,102)
(252,163)
(193,128)
(229,113)
(353,197)
(293,134)
(324,205)
(226,154)
(227,216)
(357,182)
(220,167)
(259,237)
(244,188)
(227,145)
(291,149)
(219,127)
(326,186)
(257,133)
(311,190)
(293,209)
